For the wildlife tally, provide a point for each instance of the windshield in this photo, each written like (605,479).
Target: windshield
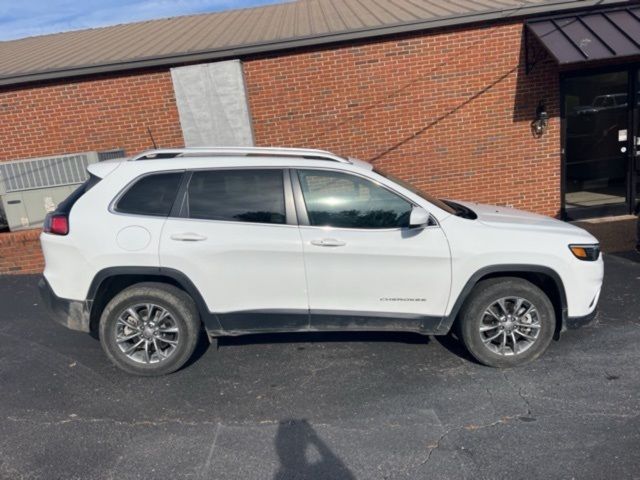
(438,203)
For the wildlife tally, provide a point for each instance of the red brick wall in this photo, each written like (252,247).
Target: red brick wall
(81,115)
(20,252)
(89,114)
(449,111)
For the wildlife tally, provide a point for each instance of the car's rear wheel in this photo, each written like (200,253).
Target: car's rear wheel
(507,322)
(150,329)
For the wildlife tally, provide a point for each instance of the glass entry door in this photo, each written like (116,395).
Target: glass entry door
(598,144)
(635,146)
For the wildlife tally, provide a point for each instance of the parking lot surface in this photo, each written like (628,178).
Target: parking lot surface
(323,406)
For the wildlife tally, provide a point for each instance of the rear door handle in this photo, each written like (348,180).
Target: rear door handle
(328,242)
(188,237)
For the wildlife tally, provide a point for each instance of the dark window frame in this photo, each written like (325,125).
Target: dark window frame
(115,202)
(301,206)
(633,173)
(181,206)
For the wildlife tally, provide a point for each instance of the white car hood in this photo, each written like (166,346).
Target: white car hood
(505,217)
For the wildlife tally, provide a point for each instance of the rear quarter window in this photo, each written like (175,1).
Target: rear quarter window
(151,195)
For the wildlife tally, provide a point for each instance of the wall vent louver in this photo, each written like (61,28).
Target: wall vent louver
(116,154)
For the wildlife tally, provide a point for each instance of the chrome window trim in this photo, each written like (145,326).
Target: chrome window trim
(396,229)
(232,222)
(300,213)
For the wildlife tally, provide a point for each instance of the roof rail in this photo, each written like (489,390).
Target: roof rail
(307,153)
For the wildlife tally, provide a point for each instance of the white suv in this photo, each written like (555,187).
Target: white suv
(152,251)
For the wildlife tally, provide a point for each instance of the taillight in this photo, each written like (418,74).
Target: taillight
(56,224)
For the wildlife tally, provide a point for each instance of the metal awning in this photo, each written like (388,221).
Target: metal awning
(590,35)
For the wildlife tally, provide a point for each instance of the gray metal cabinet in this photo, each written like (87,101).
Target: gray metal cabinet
(29,189)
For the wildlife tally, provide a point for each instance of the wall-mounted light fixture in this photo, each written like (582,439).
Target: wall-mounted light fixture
(540,125)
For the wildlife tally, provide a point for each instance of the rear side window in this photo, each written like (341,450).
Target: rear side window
(255,196)
(151,195)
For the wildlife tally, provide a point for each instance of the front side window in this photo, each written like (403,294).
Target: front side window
(255,196)
(438,203)
(347,201)
(151,195)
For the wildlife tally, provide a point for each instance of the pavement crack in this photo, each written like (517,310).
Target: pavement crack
(491,399)
(519,389)
(313,372)
(526,401)
(469,427)
(434,446)
(504,421)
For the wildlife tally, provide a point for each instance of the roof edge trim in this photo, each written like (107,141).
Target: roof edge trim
(560,6)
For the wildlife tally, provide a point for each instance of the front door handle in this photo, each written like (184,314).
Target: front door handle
(188,237)
(328,242)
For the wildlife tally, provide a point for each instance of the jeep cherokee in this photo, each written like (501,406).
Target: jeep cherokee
(152,251)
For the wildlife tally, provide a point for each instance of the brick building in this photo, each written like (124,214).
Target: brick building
(527,104)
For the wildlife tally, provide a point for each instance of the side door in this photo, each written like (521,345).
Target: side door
(366,269)
(236,238)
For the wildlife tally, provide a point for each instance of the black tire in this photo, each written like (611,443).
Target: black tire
(175,301)
(485,294)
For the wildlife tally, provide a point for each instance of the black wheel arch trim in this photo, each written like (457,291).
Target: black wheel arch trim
(212,321)
(506,269)
(209,319)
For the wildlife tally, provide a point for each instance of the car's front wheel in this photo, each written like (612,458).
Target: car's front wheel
(150,329)
(507,322)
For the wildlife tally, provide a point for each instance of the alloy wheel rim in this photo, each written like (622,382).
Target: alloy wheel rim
(147,333)
(510,326)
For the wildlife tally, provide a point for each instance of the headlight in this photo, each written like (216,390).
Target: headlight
(589,253)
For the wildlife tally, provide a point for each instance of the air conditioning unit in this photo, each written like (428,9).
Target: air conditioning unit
(29,189)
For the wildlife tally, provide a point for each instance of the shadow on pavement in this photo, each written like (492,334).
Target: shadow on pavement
(455,346)
(630,255)
(201,348)
(302,454)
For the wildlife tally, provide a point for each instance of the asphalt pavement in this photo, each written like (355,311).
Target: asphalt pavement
(323,406)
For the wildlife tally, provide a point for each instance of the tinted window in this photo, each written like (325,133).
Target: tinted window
(347,201)
(237,195)
(438,203)
(151,195)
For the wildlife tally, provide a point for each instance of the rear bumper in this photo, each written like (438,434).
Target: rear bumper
(72,314)
(573,323)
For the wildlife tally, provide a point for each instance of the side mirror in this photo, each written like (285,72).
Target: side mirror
(419,218)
